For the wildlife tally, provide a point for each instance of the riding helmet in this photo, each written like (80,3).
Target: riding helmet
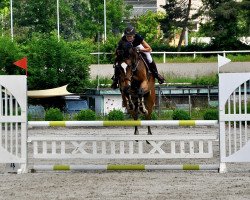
(130,30)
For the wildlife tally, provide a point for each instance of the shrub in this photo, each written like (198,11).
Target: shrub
(154,116)
(180,115)
(211,114)
(115,115)
(53,114)
(86,115)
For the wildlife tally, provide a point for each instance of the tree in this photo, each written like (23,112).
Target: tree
(8,54)
(244,17)
(4,13)
(222,25)
(78,19)
(148,25)
(177,17)
(53,64)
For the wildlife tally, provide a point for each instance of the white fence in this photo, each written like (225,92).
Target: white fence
(194,53)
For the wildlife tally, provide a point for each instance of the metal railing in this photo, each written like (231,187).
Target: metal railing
(194,53)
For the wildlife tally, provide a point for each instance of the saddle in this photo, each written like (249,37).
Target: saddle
(145,60)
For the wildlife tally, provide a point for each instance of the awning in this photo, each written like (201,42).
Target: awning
(55,92)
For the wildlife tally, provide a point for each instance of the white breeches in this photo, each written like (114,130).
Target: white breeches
(148,55)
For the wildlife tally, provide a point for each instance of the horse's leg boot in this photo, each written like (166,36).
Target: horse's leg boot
(154,70)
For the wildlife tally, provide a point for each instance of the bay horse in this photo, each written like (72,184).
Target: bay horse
(136,83)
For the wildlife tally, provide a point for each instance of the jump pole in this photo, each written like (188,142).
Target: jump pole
(123,123)
(122,167)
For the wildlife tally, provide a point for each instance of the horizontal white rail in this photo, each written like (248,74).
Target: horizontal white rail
(124,123)
(164,53)
(123,146)
(123,167)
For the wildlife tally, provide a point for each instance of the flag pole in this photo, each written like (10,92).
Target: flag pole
(11,21)
(105,22)
(58,26)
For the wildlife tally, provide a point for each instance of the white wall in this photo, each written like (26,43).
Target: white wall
(111,102)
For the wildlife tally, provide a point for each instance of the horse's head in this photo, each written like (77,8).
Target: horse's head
(125,52)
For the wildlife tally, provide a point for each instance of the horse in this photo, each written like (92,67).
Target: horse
(137,83)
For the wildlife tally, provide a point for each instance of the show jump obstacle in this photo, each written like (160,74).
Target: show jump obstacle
(234,137)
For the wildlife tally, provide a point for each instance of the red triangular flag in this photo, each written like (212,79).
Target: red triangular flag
(22,63)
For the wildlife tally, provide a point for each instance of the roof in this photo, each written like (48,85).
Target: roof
(55,92)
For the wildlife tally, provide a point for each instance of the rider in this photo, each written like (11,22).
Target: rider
(137,40)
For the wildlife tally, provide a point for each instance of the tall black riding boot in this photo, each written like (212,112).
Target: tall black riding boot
(115,77)
(154,70)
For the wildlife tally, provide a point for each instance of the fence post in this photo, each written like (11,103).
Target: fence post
(190,104)
(159,99)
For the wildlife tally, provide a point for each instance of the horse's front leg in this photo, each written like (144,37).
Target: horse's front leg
(142,107)
(136,131)
(129,103)
(141,92)
(136,116)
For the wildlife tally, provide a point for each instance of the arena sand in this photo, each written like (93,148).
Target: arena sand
(119,185)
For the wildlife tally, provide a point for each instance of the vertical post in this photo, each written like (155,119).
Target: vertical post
(186,37)
(98,62)
(222,137)
(11,20)
(190,104)
(159,99)
(208,95)
(105,31)
(58,20)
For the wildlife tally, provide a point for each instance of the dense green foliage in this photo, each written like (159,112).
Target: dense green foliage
(115,115)
(206,80)
(147,25)
(86,115)
(78,19)
(180,115)
(177,17)
(50,63)
(154,116)
(53,114)
(9,52)
(53,63)
(211,114)
(223,27)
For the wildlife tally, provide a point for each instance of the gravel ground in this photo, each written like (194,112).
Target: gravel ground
(235,184)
